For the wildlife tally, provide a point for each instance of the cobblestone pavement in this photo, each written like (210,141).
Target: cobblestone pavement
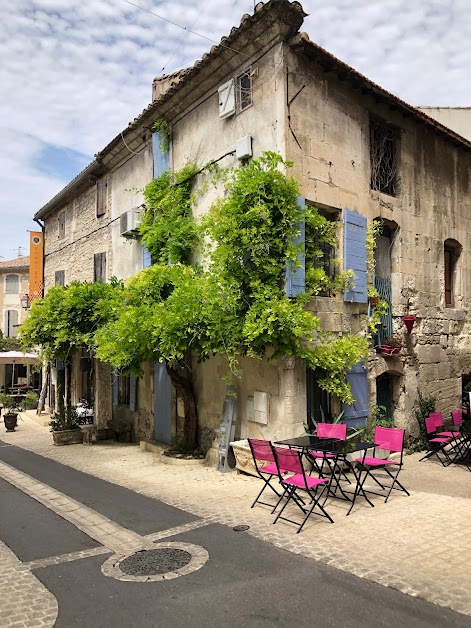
(419,545)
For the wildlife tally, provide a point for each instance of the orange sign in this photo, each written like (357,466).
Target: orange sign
(36,277)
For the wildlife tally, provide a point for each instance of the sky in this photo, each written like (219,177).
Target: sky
(75,72)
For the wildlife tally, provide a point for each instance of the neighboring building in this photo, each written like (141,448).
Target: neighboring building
(360,153)
(14,283)
(456,118)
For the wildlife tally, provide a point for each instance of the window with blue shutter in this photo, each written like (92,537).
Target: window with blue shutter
(296,276)
(161,158)
(355,226)
(356,414)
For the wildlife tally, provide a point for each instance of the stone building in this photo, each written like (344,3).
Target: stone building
(14,283)
(359,153)
(456,118)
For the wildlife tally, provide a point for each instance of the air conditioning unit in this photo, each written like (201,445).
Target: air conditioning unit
(129,222)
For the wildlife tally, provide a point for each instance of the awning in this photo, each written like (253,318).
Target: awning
(18,357)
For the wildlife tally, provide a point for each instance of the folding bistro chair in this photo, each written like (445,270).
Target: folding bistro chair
(436,444)
(291,460)
(262,452)
(336,431)
(392,440)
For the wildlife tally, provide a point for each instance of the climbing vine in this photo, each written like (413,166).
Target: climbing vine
(165,133)
(168,229)
(380,309)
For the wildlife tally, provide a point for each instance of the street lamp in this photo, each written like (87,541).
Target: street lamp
(25,301)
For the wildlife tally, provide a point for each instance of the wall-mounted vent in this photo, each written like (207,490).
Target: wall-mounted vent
(227,102)
(130,221)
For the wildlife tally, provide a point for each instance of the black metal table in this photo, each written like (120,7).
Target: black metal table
(339,449)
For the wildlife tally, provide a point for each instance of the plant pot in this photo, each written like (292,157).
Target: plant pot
(10,419)
(68,437)
(374,300)
(388,350)
(409,321)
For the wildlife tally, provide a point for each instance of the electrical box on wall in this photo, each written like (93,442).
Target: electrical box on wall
(244,147)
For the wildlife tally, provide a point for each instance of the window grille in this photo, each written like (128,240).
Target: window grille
(384,141)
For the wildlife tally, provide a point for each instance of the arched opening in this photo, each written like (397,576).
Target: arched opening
(451,252)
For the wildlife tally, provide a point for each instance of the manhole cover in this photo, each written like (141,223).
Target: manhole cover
(155,561)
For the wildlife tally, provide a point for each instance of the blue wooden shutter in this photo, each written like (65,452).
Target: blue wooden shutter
(161,159)
(356,414)
(296,277)
(146,259)
(355,255)
(114,388)
(132,392)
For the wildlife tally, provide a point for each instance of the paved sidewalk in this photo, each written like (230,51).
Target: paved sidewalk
(419,545)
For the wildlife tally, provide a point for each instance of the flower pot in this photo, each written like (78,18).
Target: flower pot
(388,350)
(409,321)
(10,419)
(374,300)
(68,437)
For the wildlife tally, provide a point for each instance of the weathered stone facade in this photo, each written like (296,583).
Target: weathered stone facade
(317,112)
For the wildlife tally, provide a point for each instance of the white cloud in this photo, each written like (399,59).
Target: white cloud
(74,73)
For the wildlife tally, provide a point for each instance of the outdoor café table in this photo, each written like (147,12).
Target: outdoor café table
(340,449)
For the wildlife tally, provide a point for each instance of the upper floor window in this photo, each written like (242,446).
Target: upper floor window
(99,267)
(320,250)
(12,284)
(11,323)
(60,278)
(101,197)
(451,253)
(384,142)
(244,89)
(61,223)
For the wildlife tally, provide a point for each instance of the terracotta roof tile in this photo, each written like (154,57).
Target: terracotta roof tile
(18,264)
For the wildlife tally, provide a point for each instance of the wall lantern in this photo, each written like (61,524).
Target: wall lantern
(25,301)
(409,320)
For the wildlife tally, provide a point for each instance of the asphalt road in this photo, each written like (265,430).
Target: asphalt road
(245,583)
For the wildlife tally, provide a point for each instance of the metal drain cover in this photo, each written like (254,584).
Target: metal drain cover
(155,561)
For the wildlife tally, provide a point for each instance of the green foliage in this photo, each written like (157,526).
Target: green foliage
(426,406)
(374,230)
(68,317)
(30,402)
(377,312)
(64,419)
(236,305)
(9,344)
(163,128)
(168,229)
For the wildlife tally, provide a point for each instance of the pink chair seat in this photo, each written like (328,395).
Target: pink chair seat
(298,480)
(376,462)
(270,468)
(447,434)
(319,454)
(439,440)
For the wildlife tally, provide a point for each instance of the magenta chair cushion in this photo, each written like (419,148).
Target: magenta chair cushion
(376,462)
(298,480)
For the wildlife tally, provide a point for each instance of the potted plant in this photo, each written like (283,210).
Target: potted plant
(10,412)
(391,346)
(64,427)
(373,296)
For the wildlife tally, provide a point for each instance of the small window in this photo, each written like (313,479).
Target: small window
(244,89)
(12,284)
(99,267)
(451,253)
(321,254)
(124,390)
(101,197)
(11,323)
(60,278)
(61,222)
(384,142)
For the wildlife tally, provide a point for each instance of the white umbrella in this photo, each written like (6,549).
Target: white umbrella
(17,357)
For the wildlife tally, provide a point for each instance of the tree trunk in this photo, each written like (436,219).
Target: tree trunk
(68,382)
(184,388)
